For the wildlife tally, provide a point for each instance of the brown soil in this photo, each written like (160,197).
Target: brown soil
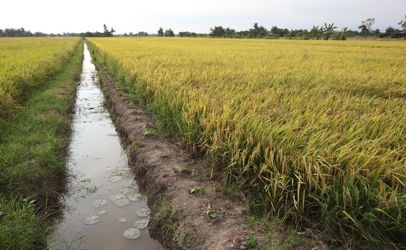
(167,173)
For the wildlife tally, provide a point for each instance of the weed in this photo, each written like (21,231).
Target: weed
(251,241)
(134,147)
(151,133)
(198,190)
(289,241)
(167,218)
(213,214)
(184,169)
(188,240)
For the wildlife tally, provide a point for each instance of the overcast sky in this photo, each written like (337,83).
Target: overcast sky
(57,16)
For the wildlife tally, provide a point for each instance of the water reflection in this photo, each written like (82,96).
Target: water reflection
(104,209)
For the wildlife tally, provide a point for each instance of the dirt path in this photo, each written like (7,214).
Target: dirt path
(181,218)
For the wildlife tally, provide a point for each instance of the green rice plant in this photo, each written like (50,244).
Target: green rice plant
(33,145)
(25,63)
(312,131)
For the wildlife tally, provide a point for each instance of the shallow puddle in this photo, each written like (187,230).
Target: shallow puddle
(103,206)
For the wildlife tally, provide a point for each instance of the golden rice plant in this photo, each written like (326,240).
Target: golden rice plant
(26,62)
(313,131)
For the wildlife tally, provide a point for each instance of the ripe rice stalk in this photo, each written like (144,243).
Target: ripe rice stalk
(25,63)
(311,130)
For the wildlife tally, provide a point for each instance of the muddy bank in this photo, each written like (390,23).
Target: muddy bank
(189,211)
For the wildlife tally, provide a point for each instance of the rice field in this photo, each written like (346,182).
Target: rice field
(26,62)
(312,131)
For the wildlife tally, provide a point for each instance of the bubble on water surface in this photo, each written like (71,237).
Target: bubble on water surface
(134,196)
(132,188)
(143,212)
(117,197)
(122,202)
(115,179)
(99,203)
(132,233)
(121,172)
(92,220)
(141,224)
(84,180)
(122,219)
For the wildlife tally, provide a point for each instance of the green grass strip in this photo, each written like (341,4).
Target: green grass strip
(33,146)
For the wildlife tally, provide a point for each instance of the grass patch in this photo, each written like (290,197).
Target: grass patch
(166,218)
(33,145)
(20,228)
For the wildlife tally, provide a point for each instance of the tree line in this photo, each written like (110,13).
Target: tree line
(325,31)
(21,32)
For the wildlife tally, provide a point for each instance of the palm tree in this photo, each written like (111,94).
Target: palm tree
(328,30)
(402,24)
(365,26)
(316,32)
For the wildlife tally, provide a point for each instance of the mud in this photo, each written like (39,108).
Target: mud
(204,218)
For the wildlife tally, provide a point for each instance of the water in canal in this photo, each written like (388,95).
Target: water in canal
(103,206)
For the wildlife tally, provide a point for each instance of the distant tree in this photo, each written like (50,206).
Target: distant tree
(341,35)
(21,32)
(402,24)
(169,33)
(217,31)
(229,32)
(279,32)
(392,33)
(160,32)
(316,32)
(389,31)
(364,30)
(328,30)
(365,26)
(105,29)
(187,34)
(107,32)
(274,31)
(142,33)
(258,31)
(242,34)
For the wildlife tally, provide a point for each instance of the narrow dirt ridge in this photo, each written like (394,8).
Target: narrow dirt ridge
(167,173)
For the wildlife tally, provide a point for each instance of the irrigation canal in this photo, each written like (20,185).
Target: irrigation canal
(103,208)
